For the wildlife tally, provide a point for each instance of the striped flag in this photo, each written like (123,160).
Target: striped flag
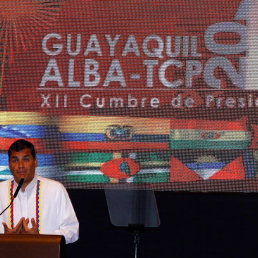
(208,134)
(26,125)
(154,167)
(104,167)
(84,167)
(113,133)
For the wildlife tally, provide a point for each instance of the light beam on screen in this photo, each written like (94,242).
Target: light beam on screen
(20,20)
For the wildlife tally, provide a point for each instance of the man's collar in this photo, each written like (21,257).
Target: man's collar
(30,185)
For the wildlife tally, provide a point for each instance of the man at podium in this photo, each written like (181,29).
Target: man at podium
(42,205)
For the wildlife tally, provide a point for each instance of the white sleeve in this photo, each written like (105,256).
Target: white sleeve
(4,202)
(69,225)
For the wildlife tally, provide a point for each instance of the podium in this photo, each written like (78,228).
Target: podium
(32,246)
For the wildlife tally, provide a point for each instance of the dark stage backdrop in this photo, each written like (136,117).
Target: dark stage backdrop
(204,225)
(160,94)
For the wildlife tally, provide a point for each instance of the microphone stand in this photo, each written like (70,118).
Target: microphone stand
(136,242)
(14,196)
(137,229)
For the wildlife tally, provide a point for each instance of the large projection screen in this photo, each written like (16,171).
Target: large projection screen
(159,94)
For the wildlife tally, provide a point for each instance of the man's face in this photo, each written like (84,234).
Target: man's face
(22,165)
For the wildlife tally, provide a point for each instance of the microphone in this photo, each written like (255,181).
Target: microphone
(15,194)
(18,188)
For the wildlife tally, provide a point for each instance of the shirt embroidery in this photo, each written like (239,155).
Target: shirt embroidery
(10,217)
(38,205)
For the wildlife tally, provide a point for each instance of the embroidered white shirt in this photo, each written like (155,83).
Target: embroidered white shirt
(56,214)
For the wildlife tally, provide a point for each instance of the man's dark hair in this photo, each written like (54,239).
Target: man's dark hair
(22,144)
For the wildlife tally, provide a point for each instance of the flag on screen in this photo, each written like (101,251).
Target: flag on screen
(85,166)
(103,167)
(26,125)
(113,133)
(208,134)
(237,169)
(154,167)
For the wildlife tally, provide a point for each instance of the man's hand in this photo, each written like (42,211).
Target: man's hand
(22,227)
(17,230)
(26,230)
